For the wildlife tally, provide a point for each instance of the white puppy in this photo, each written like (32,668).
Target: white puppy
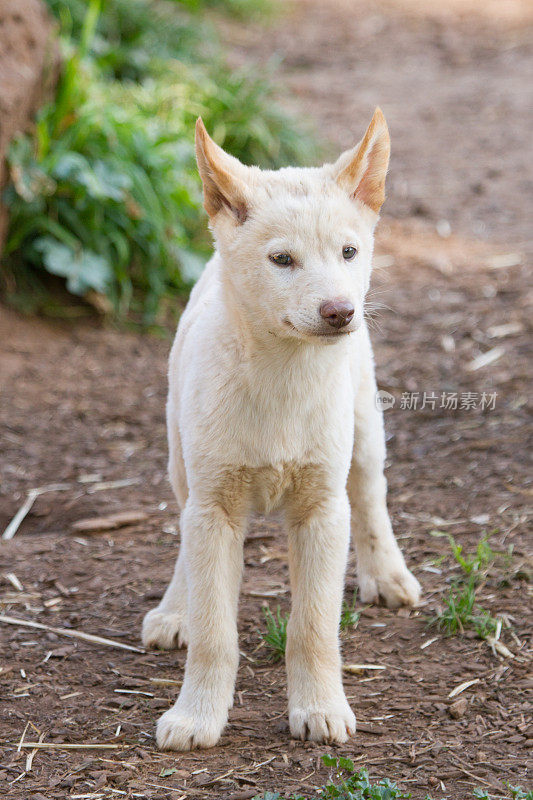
(272,404)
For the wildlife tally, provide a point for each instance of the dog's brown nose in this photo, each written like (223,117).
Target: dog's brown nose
(338,312)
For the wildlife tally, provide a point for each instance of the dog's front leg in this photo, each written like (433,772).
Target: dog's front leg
(381,569)
(212,551)
(318,548)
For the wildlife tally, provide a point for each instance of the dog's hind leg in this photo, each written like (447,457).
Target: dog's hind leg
(381,570)
(166,626)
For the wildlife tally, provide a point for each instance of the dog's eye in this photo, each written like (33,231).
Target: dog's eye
(282,259)
(349,252)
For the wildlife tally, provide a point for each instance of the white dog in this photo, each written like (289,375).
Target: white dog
(272,404)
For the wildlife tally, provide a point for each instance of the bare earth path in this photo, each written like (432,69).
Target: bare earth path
(84,406)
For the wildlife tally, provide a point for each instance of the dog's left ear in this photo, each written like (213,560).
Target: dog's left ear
(362,170)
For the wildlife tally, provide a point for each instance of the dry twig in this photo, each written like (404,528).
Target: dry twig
(358,669)
(462,687)
(86,637)
(110,522)
(33,494)
(69,746)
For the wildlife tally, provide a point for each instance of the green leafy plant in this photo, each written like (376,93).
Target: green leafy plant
(131,36)
(106,194)
(349,616)
(110,203)
(237,8)
(275,636)
(484,623)
(515,793)
(346,784)
(351,785)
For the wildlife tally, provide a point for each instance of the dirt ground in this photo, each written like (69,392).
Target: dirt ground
(83,406)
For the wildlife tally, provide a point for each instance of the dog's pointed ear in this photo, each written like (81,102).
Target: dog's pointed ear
(222,177)
(361,171)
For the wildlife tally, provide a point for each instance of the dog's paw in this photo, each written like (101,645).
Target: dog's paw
(395,587)
(331,725)
(181,730)
(165,630)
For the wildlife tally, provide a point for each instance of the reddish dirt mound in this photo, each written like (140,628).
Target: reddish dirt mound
(29,60)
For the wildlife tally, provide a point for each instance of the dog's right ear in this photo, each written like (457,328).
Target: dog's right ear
(222,177)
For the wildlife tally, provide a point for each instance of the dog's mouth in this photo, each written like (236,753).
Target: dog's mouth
(320,335)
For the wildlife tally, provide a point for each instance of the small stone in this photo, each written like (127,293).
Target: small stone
(371,612)
(404,612)
(458,709)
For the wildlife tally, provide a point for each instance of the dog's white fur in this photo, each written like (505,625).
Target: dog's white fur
(269,407)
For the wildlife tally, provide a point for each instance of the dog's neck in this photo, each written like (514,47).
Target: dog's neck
(282,360)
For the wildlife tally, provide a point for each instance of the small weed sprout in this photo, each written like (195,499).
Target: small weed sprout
(357,784)
(276,633)
(476,563)
(485,624)
(481,560)
(461,610)
(349,616)
(457,612)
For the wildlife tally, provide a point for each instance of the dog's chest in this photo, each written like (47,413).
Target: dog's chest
(270,486)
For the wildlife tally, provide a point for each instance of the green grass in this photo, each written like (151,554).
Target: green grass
(275,636)
(349,616)
(131,36)
(461,610)
(242,9)
(105,194)
(347,784)
(477,562)
(481,560)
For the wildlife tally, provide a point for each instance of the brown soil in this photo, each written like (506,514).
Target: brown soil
(82,405)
